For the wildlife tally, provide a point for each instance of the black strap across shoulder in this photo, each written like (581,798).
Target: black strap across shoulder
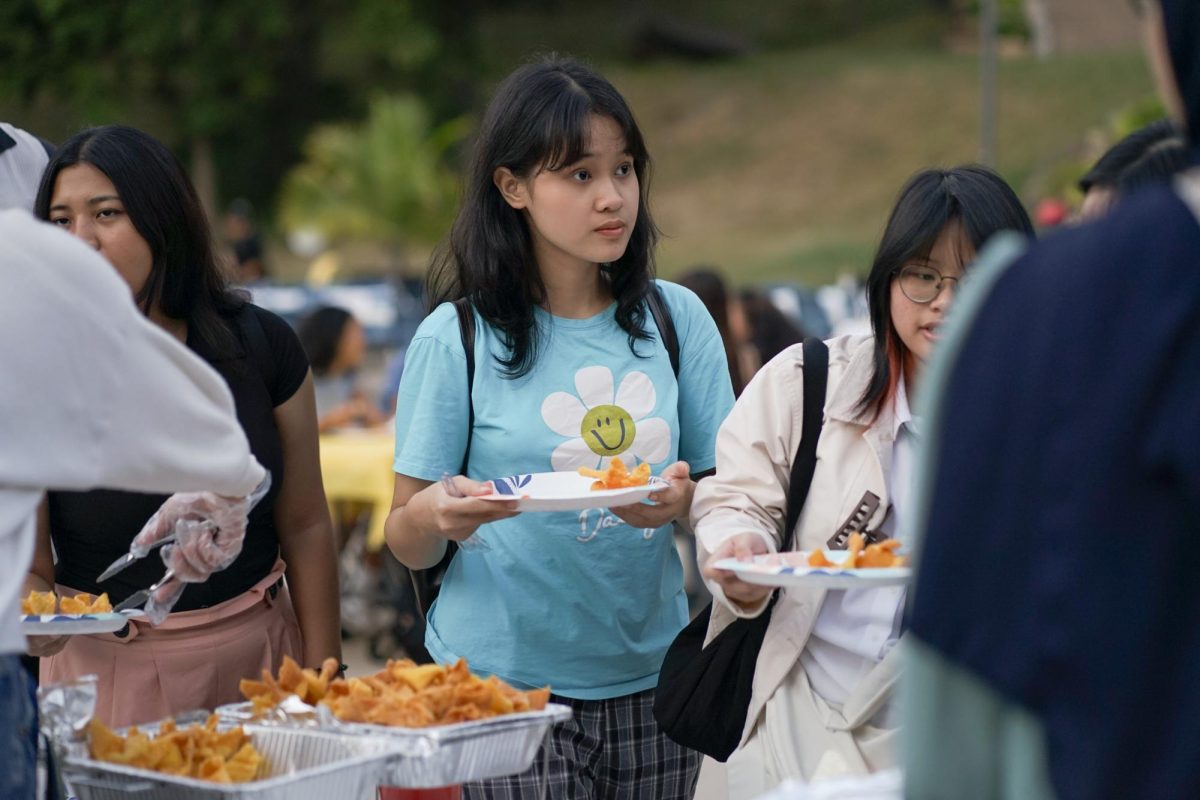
(704,693)
(466,329)
(666,326)
(816,378)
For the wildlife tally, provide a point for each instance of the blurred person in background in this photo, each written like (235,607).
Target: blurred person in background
(121,192)
(821,704)
(245,243)
(337,346)
(1055,622)
(392,372)
(712,290)
(768,330)
(1150,154)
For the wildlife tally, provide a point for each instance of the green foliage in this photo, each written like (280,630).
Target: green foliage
(385,180)
(1137,115)
(201,60)
(1010,20)
(1063,178)
(250,76)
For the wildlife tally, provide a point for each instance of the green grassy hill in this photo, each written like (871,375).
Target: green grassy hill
(784,166)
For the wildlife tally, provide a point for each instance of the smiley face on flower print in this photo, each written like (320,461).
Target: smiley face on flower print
(601,422)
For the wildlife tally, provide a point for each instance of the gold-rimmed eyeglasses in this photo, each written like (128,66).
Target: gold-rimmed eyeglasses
(922,284)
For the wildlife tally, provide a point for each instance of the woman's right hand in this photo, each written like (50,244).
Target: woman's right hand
(743,547)
(456,518)
(44,646)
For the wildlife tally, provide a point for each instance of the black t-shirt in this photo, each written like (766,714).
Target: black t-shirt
(91,529)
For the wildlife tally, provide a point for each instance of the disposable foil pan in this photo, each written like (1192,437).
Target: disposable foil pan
(442,755)
(301,764)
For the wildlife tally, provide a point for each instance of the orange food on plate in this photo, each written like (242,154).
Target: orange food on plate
(39,603)
(200,751)
(84,603)
(402,694)
(872,556)
(882,554)
(817,559)
(618,476)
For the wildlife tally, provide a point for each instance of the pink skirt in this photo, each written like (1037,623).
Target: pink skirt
(193,660)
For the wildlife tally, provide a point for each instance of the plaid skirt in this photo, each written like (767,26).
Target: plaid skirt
(609,750)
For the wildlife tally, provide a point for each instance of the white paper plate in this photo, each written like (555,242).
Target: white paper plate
(64,624)
(791,569)
(566,491)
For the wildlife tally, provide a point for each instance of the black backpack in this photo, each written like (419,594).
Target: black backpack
(428,582)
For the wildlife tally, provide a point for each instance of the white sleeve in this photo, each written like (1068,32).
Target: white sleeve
(755,448)
(94,394)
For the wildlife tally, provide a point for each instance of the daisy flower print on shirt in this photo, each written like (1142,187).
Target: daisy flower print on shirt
(601,423)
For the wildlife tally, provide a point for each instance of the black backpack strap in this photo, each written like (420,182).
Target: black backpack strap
(666,326)
(466,328)
(816,375)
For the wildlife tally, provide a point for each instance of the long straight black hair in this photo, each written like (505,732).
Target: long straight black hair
(185,281)
(973,196)
(539,119)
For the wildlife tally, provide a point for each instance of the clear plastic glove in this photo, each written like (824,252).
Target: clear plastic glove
(227,515)
(209,530)
(162,600)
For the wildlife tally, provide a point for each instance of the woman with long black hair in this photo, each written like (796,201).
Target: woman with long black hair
(124,194)
(553,249)
(821,704)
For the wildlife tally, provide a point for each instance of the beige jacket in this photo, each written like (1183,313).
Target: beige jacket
(748,493)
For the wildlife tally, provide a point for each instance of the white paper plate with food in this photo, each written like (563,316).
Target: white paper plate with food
(794,569)
(568,491)
(70,624)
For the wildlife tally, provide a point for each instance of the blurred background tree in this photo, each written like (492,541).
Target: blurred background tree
(780,130)
(233,85)
(385,181)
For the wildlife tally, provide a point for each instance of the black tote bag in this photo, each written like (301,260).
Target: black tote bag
(704,692)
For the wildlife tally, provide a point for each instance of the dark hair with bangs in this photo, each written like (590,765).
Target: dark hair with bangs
(973,196)
(539,119)
(185,281)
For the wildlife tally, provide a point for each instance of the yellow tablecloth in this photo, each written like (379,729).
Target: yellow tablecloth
(357,465)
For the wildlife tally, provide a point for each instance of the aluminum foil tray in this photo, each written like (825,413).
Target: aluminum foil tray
(301,764)
(444,754)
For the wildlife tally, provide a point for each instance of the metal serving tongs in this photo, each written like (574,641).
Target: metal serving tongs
(126,560)
(139,598)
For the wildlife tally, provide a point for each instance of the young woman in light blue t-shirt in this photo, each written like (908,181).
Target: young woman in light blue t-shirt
(553,248)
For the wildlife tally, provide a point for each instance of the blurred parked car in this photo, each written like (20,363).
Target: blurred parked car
(389,311)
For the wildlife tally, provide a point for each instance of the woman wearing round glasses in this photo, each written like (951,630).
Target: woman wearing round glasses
(824,677)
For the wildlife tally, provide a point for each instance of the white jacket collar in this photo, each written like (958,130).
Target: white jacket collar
(843,401)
